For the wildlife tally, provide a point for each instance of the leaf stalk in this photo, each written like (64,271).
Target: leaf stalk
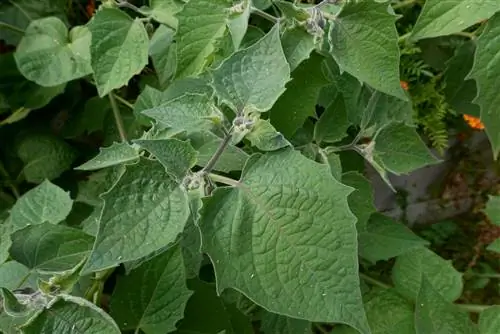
(213,160)
(265,15)
(118,117)
(9,182)
(10,27)
(223,179)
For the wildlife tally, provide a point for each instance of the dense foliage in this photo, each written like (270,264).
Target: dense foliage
(197,166)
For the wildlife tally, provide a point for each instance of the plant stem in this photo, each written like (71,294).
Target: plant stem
(223,179)
(213,160)
(10,27)
(483,275)
(8,180)
(126,4)
(404,4)
(472,308)
(265,15)
(465,34)
(374,281)
(404,37)
(118,117)
(124,102)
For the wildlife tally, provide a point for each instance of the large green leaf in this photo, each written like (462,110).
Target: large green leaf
(164,11)
(119,48)
(50,248)
(485,71)
(45,157)
(44,203)
(385,238)
(162,50)
(189,112)
(20,13)
(191,244)
(361,200)
(440,18)
(272,323)
(14,275)
(5,241)
(238,23)
(297,46)
(489,320)
(434,314)
(144,212)
(50,56)
(364,42)
(399,149)
(196,38)
(300,97)
(69,314)
(410,268)
(253,78)
(333,124)
(285,235)
(116,154)
(153,296)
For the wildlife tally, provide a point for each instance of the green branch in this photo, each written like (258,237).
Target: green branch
(118,117)
(265,15)
(124,102)
(223,179)
(213,160)
(9,182)
(10,27)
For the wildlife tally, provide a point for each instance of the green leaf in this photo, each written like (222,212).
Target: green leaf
(191,244)
(400,150)
(485,70)
(152,297)
(385,238)
(12,306)
(119,48)
(489,320)
(494,246)
(144,212)
(196,39)
(116,154)
(364,42)
(206,143)
(411,267)
(89,190)
(20,13)
(361,200)
(163,54)
(439,18)
(434,314)
(299,99)
(44,156)
(69,314)
(238,22)
(49,248)
(5,242)
(14,275)
(44,203)
(333,124)
(297,46)
(291,214)
(50,56)
(189,112)
(265,137)
(177,156)
(272,323)
(252,79)
(89,120)
(164,11)
(460,92)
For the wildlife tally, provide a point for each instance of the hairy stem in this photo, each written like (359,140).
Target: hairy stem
(264,15)
(213,160)
(118,117)
(9,182)
(124,102)
(10,27)
(223,179)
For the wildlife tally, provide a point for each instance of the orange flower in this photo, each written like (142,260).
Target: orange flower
(90,8)
(404,85)
(473,122)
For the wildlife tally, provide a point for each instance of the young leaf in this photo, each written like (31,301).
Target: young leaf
(333,124)
(399,149)
(489,320)
(119,48)
(385,238)
(361,200)
(364,42)
(272,323)
(298,101)
(410,268)
(485,70)
(144,212)
(238,23)
(153,296)
(164,11)
(177,156)
(45,157)
(439,18)
(290,214)
(44,203)
(196,38)
(116,154)
(434,314)
(49,56)
(297,46)
(265,137)
(69,314)
(50,248)
(253,78)
(189,112)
